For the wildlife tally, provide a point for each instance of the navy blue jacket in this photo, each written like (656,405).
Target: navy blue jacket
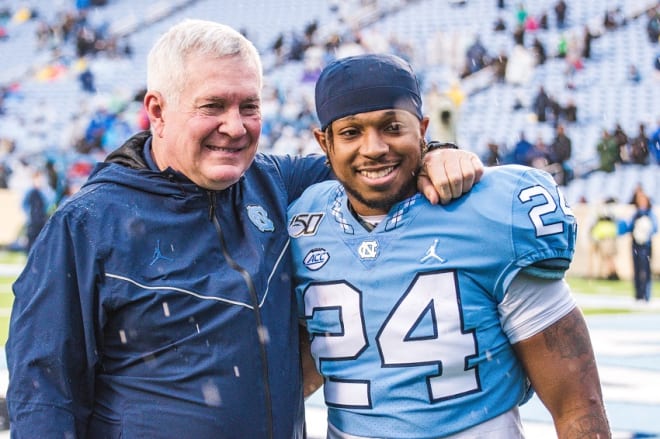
(129,321)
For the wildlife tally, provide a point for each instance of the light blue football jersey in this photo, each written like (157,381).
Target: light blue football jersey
(404,320)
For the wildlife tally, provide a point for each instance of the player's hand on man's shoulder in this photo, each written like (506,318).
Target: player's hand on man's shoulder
(448,172)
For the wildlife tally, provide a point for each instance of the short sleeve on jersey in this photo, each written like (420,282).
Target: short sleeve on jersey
(531,304)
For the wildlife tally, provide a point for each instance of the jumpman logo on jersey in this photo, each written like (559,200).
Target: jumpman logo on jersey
(430,253)
(158,254)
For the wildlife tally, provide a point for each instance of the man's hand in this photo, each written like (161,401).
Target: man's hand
(448,173)
(312,380)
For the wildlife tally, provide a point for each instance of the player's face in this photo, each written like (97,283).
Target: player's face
(376,156)
(211,136)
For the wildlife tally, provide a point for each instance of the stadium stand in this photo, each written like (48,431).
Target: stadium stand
(45,114)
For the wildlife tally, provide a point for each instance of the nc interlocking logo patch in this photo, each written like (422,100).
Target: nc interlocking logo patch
(368,250)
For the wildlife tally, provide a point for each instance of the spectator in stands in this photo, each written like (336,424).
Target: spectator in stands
(44,34)
(521,14)
(587,38)
(493,156)
(3,94)
(5,14)
(35,206)
(570,111)
(476,57)
(561,10)
(85,42)
(543,21)
(86,78)
(100,121)
(608,152)
(639,147)
(539,51)
(633,74)
(574,62)
(499,67)
(621,139)
(653,25)
(531,23)
(556,111)
(603,234)
(614,18)
(642,226)
(56,181)
(443,112)
(654,144)
(519,36)
(560,153)
(523,151)
(540,154)
(117,130)
(5,174)
(562,46)
(540,104)
(162,305)
(500,25)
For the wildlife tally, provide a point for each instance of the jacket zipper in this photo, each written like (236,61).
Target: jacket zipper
(255,309)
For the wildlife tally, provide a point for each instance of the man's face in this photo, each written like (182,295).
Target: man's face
(376,156)
(212,135)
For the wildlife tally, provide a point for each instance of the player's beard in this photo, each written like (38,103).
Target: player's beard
(384,203)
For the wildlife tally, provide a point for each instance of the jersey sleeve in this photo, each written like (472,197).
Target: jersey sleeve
(543,226)
(531,304)
(51,383)
(300,172)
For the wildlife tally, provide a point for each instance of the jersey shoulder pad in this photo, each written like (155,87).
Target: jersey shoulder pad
(543,227)
(315,196)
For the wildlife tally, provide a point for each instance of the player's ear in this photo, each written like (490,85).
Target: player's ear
(423,126)
(321,139)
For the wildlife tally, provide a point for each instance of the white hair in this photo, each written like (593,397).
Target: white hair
(166,62)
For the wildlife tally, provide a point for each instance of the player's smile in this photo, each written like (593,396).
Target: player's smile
(377,174)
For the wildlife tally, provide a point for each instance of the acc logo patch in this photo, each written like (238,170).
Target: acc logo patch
(316,258)
(305,224)
(259,217)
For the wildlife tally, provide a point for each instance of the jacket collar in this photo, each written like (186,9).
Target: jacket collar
(131,153)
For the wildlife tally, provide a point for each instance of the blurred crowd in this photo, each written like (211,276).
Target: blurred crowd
(74,43)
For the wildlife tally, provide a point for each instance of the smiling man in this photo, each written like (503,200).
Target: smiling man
(157,301)
(430,321)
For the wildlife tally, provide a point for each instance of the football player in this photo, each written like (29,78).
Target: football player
(431,321)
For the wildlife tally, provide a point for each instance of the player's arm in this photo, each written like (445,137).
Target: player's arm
(448,173)
(312,380)
(561,366)
(539,314)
